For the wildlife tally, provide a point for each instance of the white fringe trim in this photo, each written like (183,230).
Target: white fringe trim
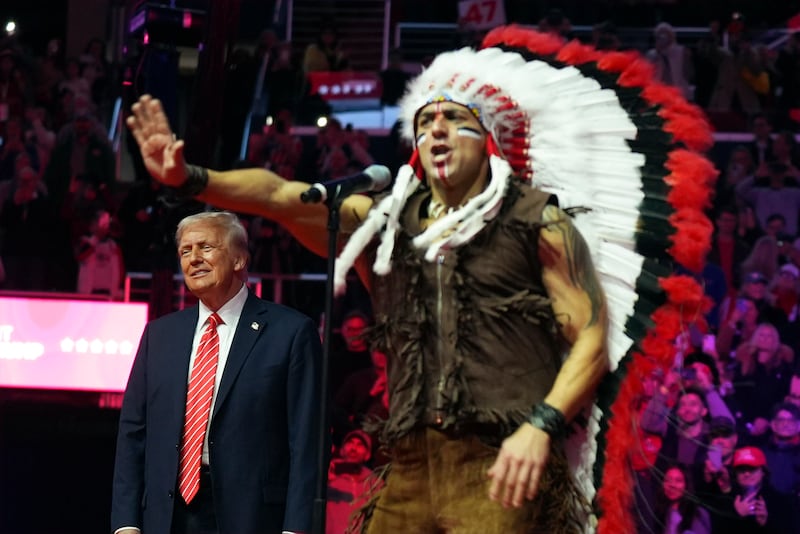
(404,187)
(458,227)
(387,213)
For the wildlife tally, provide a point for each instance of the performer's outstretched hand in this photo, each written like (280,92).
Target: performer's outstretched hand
(162,153)
(519,466)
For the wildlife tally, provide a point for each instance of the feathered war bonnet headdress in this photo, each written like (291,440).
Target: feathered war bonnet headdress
(596,129)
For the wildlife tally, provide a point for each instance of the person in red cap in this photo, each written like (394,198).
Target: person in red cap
(755,506)
(749,465)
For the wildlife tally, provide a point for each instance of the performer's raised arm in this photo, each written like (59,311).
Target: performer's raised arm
(251,190)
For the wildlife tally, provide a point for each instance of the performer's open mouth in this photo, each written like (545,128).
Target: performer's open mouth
(440,153)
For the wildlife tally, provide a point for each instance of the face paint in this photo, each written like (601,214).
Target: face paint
(465,131)
(441,168)
(442,172)
(451,142)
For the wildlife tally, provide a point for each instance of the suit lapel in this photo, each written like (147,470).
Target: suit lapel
(176,370)
(252,323)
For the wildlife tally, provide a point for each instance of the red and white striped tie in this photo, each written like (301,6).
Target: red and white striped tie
(198,408)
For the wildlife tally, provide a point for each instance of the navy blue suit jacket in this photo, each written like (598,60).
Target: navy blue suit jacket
(262,436)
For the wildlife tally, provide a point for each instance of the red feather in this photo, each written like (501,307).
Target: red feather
(686,122)
(688,193)
(637,73)
(577,53)
(615,496)
(683,290)
(692,177)
(688,165)
(673,102)
(616,61)
(668,320)
(657,348)
(661,94)
(642,367)
(514,35)
(692,239)
(691,131)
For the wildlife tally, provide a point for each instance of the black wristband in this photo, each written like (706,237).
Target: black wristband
(549,419)
(196,182)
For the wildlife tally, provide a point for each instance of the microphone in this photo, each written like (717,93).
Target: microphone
(373,178)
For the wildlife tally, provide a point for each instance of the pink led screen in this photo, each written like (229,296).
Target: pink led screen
(68,344)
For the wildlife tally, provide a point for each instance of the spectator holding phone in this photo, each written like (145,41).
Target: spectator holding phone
(684,429)
(737,321)
(717,474)
(703,371)
(755,507)
(753,287)
(716,486)
(700,370)
(761,377)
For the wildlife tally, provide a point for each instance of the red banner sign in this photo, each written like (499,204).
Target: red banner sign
(68,344)
(345,85)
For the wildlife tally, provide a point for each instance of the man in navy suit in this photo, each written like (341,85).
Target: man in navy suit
(259,461)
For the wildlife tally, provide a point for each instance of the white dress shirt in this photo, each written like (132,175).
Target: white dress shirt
(229,313)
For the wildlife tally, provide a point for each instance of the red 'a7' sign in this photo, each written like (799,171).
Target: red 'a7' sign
(481,14)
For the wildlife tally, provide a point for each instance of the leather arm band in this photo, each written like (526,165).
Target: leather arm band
(549,419)
(196,182)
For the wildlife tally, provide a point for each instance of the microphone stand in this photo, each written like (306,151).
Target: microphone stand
(334,202)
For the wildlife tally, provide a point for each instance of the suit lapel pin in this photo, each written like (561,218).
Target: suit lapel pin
(254,325)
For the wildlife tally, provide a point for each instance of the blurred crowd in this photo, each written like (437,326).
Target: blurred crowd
(719,447)
(57,171)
